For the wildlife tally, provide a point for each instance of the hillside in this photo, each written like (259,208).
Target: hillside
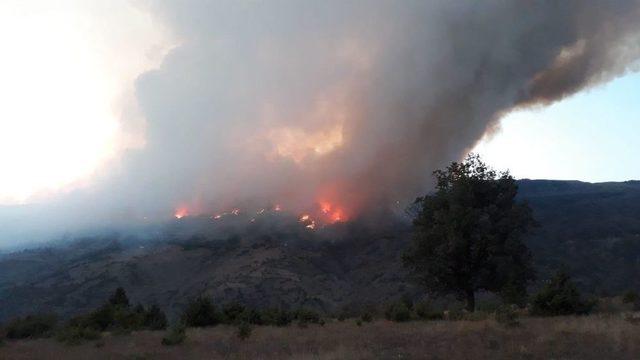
(592,229)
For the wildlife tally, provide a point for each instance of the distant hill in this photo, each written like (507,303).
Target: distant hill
(591,229)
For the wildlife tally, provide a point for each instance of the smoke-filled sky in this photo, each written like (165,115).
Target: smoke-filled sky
(123,111)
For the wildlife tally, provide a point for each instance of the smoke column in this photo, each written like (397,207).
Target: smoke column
(297,102)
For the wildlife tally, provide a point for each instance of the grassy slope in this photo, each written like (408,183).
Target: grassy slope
(593,337)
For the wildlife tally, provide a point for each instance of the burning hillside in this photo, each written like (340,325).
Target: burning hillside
(330,108)
(326,117)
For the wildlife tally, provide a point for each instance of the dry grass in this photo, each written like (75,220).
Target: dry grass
(593,337)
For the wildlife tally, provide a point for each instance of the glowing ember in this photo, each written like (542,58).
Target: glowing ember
(235,211)
(304,217)
(277,208)
(181,212)
(325,207)
(331,213)
(312,225)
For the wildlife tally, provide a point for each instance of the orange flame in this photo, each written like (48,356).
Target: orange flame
(331,212)
(181,212)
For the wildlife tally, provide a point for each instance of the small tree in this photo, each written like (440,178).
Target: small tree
(468,234)
(200,313)
(119,298)
(560,297)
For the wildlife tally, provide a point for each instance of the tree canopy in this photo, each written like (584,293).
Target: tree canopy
(468,234)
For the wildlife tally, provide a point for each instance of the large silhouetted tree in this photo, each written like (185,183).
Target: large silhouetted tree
(468,235)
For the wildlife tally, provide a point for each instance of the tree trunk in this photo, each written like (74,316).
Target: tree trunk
(471,301)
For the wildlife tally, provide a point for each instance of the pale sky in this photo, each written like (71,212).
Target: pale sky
(66,69)
(592,136)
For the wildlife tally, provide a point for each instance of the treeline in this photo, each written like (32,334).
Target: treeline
(559,296)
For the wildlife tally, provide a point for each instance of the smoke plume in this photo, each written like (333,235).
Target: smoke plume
(349,102)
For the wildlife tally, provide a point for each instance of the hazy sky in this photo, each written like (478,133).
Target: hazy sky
(68,70)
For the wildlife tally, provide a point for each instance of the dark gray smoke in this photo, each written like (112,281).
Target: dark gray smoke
(293,102)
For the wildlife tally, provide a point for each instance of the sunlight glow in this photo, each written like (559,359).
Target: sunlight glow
(61,83)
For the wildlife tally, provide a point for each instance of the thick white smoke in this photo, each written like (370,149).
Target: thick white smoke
(295,102)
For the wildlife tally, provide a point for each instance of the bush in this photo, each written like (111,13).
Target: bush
(507,315)
(425,311)
(630,297)
(176,335)
(366,317)
(75,335)
(359,322)
(398,312)
(560,297)
(100,319)
(154,319)
(232,313)
(244,331)
(31,326)
(252,316)
(200,312)
(276,317)
(307,316)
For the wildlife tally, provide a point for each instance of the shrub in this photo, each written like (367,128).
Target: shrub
(359,322)
(176,335)
(75,335)
(31,326)
(366,317)
(244,331)
(276,317)
(100,319)
(307,316)
(119,298)
(506,315)
(155,319)
(232,313)
(200,312)
(252,316)
(560,297)
(398,312)
(425,311)
(630,297)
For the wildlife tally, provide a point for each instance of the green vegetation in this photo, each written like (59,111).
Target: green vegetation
(468,235)
(244,331)
(176,335)
(201,312)
(630,297)
(118,315)
(398,311)
(31,326)
(560,297)
(75,335)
